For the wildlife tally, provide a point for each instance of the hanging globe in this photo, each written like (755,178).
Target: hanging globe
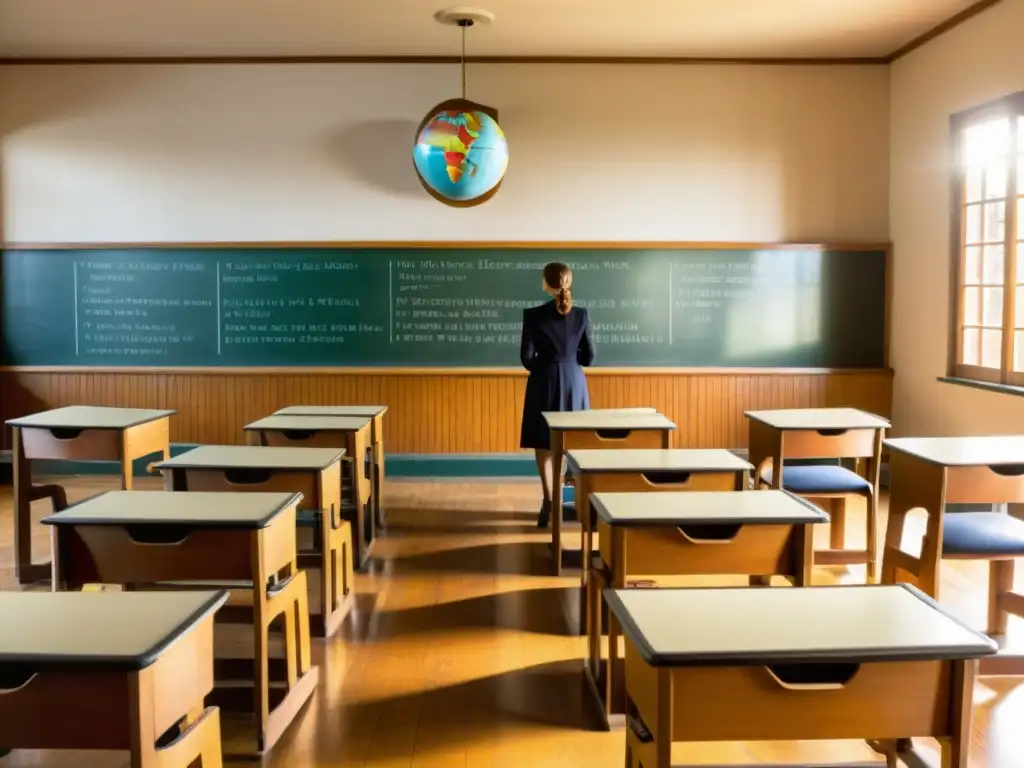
(460,153)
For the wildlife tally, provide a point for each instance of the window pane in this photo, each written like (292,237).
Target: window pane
(972,306)
(1018,351)
(973,224)
(972,346)
(986,140)
(994,265)
(991,348)
(992,307)
(995,180)
(995,222)
(972,184)
(1018,307)
(972,265)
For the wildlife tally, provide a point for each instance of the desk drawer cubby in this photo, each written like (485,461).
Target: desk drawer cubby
(254,480)
(985,485)
(63,443)
(707,550)
(874,700)
(828,443)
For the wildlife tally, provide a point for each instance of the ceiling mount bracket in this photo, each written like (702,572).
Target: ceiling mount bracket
(463,16)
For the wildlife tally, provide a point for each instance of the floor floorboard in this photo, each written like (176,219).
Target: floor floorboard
(459,652)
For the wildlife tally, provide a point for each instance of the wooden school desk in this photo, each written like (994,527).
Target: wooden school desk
(823,433)
(353,433)
(375,412)
(879,663)
(76,433)
(110,671)
(143,538)
(928,473)
(313,472)
(611,428)
(698,533)
(642,470)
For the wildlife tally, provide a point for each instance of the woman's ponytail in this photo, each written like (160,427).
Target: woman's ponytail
(558,277)
(563,301)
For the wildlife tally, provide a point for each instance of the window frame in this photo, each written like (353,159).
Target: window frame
(1011,107)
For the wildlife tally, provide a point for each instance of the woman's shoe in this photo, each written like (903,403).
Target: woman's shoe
(545,514)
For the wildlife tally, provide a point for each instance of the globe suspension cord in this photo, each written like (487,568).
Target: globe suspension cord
(463,62)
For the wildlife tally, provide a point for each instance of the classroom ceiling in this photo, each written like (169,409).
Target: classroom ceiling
(534,28)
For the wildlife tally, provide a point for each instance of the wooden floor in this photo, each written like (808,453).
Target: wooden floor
(459,653)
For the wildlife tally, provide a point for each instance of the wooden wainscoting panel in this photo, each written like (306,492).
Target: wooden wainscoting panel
(440,413)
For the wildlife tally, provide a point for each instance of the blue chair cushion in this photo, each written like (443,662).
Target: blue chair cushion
(827,478)
(983,534)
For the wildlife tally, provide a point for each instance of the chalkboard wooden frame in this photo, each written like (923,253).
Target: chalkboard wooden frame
(885,247)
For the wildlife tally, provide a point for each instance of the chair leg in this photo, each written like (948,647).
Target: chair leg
(872,537)
(837,529)
(888,571)
(1000,582)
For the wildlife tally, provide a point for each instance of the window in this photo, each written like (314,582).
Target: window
(988,191)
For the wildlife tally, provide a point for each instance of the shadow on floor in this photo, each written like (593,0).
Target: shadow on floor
(448,719)
(530,558)
(545,611)
(428,520)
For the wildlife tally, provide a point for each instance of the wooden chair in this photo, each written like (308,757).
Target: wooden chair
(929,473)
(831,485)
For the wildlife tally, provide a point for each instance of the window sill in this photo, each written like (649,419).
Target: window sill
(1004,389)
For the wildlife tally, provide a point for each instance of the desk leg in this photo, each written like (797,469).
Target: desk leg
(198,743)
(914,485)
(645,749)
(361,524)
(336,555)
(127,465)
(956,748)
(803,554)
(558,468)
(614,690)
(22,510)
(140,441)
(594,628)
(378,470)
(25,493)
(586,535)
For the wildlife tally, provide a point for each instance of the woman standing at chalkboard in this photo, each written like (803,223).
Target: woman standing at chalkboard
(556,343)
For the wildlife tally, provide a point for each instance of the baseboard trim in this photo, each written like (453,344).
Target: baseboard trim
(400,466)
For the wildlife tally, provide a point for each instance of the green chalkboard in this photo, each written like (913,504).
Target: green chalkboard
(196,306)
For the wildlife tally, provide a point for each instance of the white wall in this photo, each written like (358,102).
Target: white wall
(980,60)
(322,152)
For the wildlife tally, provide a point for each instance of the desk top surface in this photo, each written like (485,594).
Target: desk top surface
(610,419)
(655,460)
(819,418)
(754,626)
(705,507)
(113,630)
(200,509)
(253,457)
(90,417)
(987,451)
(311,423)
(332,410)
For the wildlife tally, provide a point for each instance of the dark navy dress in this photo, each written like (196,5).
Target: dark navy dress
(554,347)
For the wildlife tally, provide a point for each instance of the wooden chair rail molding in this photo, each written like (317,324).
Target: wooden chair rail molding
(440,411)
